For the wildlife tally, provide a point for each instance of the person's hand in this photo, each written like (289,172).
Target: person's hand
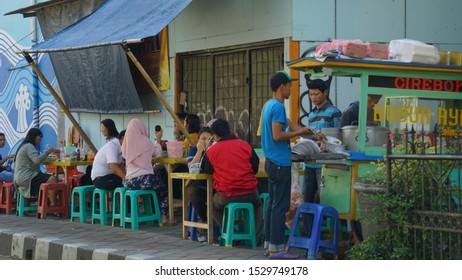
(320,137)
(200,147)
(209,142)
(11,156)
(305,131)
(50,149)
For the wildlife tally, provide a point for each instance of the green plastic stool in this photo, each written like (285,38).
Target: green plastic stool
(117,206)
(247,232)
(80,194)
(132,213)
(21,206)
(99,210)
(264,199)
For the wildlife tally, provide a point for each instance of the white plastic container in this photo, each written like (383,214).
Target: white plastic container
(407,50)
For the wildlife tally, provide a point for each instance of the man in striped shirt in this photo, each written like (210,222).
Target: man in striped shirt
(323,115)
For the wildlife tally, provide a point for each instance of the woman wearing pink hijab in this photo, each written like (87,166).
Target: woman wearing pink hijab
(138,151)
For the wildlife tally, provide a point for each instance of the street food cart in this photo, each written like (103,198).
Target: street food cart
(418,97)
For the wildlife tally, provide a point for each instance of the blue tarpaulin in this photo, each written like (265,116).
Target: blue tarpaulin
(84,45)
(113,22)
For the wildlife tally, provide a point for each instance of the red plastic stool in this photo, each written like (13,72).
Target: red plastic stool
(75,181)
(6,197)
(62,206)
(71,172)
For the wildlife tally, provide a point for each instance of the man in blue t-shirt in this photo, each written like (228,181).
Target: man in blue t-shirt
(323,115)
(276,132)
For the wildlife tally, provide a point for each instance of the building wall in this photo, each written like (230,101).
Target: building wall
(434,22)
(207,24)
(24,103)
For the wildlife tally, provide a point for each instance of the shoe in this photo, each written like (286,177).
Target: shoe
(282,255)
(201,238)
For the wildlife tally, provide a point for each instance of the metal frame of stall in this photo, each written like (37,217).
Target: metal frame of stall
(390,79)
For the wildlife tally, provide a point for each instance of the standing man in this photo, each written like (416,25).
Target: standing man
(276,131)
(6,172)
(233,164)
(323,115)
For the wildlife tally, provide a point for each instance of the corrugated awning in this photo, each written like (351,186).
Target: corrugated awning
(114,22)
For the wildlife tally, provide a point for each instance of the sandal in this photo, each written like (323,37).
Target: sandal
(282,255)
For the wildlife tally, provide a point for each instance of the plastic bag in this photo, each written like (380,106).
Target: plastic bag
(296,197)
(407,50)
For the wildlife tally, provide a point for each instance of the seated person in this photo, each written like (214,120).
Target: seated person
(197,190)
(138,151)
(28,177)
(177,133)
(107,172)
(6,172)
(233,164)
(192,124)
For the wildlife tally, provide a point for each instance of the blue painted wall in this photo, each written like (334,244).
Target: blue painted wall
(24,101)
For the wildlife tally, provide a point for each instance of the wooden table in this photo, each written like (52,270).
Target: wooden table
(169,164)
(187,178)
(65,165)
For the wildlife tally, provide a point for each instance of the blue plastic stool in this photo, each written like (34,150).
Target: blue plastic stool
(248,233)
(312,216)
(80,194)
(99,208)
(117,206)
(133,215)
(193,217)
(22,207)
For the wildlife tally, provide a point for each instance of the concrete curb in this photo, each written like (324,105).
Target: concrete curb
(28,238)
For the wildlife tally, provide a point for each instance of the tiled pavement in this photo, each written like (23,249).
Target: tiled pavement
(54,238)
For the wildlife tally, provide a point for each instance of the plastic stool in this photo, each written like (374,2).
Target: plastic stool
(75,180)
(248,233)
(6,197)
(192,216)
(133,215)
(63,205)
(117,203)
(99,208)
(313,215)
(24,206)
(264,199)
(80,194)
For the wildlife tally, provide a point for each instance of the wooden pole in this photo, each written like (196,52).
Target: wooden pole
(59,101)
(159,95)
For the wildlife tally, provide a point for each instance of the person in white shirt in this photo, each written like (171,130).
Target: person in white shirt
(107,172)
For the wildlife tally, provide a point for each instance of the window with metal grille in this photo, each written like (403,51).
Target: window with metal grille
(231,84)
